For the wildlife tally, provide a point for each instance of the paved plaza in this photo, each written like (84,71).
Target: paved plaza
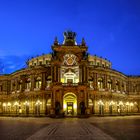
(93,128)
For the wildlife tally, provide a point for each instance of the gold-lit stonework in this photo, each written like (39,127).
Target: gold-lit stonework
(69,82)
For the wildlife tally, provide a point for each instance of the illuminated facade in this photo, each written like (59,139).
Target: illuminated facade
(69,82)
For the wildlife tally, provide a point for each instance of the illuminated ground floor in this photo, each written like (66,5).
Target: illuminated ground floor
(70,104)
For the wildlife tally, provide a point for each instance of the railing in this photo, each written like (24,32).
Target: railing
(27,90)
(70,84)
(36,89)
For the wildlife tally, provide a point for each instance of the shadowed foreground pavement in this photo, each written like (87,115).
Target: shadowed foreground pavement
(72,130)
(94,128)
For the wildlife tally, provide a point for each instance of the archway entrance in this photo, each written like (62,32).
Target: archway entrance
(70,104)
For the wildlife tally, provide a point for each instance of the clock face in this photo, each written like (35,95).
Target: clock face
(70,59)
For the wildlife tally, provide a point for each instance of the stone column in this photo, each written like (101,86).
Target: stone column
(43,81)
(95,81)
(80,73)
(52,111)
(113,84)
(59,76)
(32,82)
(105,81)
(52,73)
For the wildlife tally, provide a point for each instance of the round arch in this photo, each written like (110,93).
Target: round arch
(70,104)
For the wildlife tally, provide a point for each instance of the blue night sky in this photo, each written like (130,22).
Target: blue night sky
(111,29)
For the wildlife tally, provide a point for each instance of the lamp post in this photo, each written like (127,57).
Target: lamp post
(131,105)
(120,106)
(101,104)
(26,103)
(38,103)
(127,105)
(9,107)
(4,107)
(16,104)
(110,106)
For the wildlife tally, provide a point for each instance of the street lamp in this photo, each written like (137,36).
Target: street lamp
(110,106)
(127,104)
(120,105)
(38,103)
(131,105)
(101,104)
(9,107)
(4,107)
(26,103)
(16,104)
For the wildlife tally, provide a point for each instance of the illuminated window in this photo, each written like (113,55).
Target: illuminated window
(117,86)
(19,85)
(109,84)
(100,83)
(28,84)
(38,82)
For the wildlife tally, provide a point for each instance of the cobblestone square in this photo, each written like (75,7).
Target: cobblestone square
(93,128)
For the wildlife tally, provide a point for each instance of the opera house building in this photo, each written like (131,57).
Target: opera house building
(68,82)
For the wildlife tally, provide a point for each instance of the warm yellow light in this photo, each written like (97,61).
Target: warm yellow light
(16,103)
(131,104)
(26,103)
(127,103)
(90,103)
(100,102)
(111,103)
(75,106)
(38,102)
(135,103)
(62,80)
(20,110)
(9,104)
(49,102)
(65,106)
(4,104)
(120,103)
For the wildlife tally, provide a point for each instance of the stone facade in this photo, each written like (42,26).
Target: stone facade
(69,82)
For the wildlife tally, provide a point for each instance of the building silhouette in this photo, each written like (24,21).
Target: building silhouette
(69,82)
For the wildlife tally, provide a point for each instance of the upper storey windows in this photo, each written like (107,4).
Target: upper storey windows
(99,62)
(39,61)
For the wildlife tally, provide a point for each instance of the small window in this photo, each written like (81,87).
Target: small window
(98,63)
(0,87)
(40,62)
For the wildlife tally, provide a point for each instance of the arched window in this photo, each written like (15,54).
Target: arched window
(1,88)
(109,84)
(28,83)
(117,86)
(90,102)
(123,87)
(13,86)
(48,81)
(19,85)
(100,83)
(38,82)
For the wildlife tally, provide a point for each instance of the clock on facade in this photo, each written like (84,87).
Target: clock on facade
(70,59)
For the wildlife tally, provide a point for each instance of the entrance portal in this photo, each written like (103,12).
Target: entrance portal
(70,104)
